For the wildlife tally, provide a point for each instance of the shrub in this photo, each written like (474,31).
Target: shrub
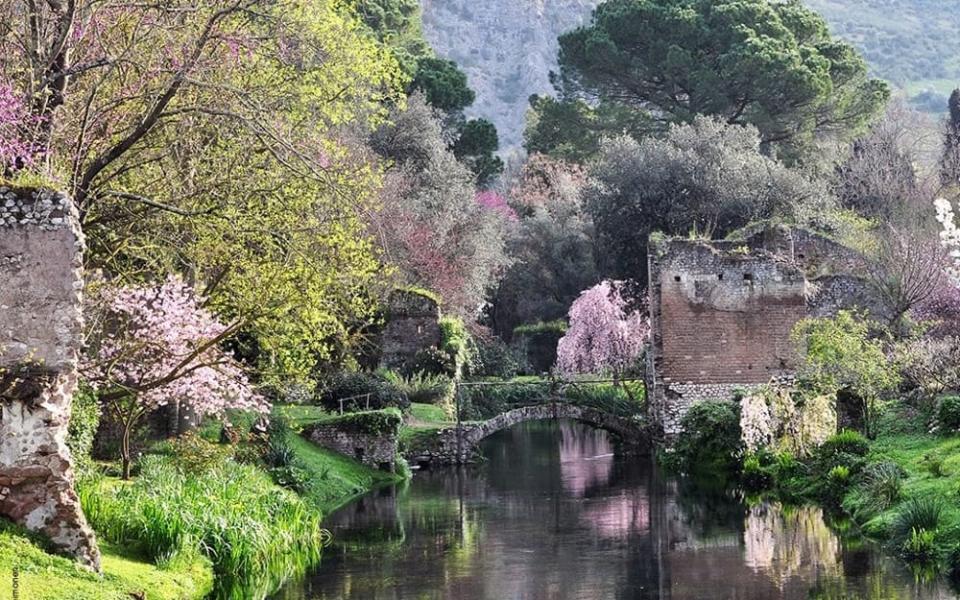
(754,475)
(422,388)
(360,391)
(953,565)
(190,453)
(846,442)
(486,401)
(711,438)
(948,413)
(920,546)
(919,513)
(625,400)
(882,483)
(84,421)
(934,465)
(494,358)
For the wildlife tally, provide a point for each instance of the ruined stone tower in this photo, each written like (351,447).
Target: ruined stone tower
(41,251)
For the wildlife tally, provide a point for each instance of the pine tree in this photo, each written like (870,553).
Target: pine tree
(950,163)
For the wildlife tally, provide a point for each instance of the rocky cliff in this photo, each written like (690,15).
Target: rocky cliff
(506,47)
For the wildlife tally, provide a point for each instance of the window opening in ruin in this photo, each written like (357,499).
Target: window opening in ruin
(748,276)
(676,278)
(720,276)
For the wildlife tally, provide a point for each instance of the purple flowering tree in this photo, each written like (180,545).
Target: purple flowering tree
(605,336)
(16,123)
(153,345)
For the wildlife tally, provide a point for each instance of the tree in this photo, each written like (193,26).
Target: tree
(707,176)
(950,162)
(605,336)
(907,269)
(552,248)
(397,23)
(475,148)
(881,179)
(152,345)
(17,132)
(210,139)
(839,353)
(773,65)
(433,225)
(444,85)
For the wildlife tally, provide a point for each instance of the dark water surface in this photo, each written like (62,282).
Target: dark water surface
(554,515)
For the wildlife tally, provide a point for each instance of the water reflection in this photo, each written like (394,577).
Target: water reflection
(554,514)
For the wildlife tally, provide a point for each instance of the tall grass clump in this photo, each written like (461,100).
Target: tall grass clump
(254,534)
(921,513)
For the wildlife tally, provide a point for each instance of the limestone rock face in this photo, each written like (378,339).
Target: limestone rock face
(506,47)
(41,251)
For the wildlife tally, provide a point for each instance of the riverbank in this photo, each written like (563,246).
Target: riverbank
(180,497)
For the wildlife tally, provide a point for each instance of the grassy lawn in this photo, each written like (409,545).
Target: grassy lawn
(44,576)
(932,464)
(429,413)
(335,479)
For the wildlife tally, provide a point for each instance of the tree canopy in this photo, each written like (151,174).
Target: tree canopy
(773,65)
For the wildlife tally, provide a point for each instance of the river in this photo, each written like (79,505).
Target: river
(554,515)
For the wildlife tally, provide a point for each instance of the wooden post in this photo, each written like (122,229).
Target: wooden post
(459,432)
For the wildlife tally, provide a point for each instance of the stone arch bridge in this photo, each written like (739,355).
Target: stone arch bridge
(459,444)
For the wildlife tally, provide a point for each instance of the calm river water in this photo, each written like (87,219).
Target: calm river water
(554,515)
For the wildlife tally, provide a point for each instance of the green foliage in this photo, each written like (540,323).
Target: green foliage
(360,391)
(480,402)
(948,413)
(475,148)
(772,65)
(625,399)
(710,443)
(920,546)
(420,387)
(495,358)
(840,353)
(846,442)
(397,23)
(190,453)
(754,475)
(374,422)
(882,484)
(167,514)
(934,465)
(457,345)
(84,421)
(444,85)
(558,327)
(920,513)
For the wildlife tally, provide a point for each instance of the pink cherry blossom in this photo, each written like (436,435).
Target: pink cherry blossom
(604,335)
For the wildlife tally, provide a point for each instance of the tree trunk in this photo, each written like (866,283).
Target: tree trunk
(125,450)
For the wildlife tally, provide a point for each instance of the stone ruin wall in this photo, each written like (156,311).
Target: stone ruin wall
(721,321)
(41,281)
(722,312)
(413,325)
(377,451)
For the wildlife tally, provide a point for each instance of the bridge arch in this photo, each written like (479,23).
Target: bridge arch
(459,446)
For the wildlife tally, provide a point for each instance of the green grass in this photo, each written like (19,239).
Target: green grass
(335,479)
(915,453)
(45,576)
(255,534)
(429,413)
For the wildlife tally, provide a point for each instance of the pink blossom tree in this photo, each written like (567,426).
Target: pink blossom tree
(16,124)
(605,336)
(153,345)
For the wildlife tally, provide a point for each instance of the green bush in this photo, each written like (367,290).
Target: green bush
(494,358)
(624,400)
(360,391)
(754,475)
(846,442)
(921,513)
(948,413)
(84,421)
(190,453)
(420,388)
(166,514)
(882,483)
(479,402)
(920,546)
(710,443)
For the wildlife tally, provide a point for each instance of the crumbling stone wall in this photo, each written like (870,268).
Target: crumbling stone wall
(722,312)
(376,450)
(40,334)
(413,325)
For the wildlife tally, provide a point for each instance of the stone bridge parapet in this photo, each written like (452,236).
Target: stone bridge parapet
(446,447)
